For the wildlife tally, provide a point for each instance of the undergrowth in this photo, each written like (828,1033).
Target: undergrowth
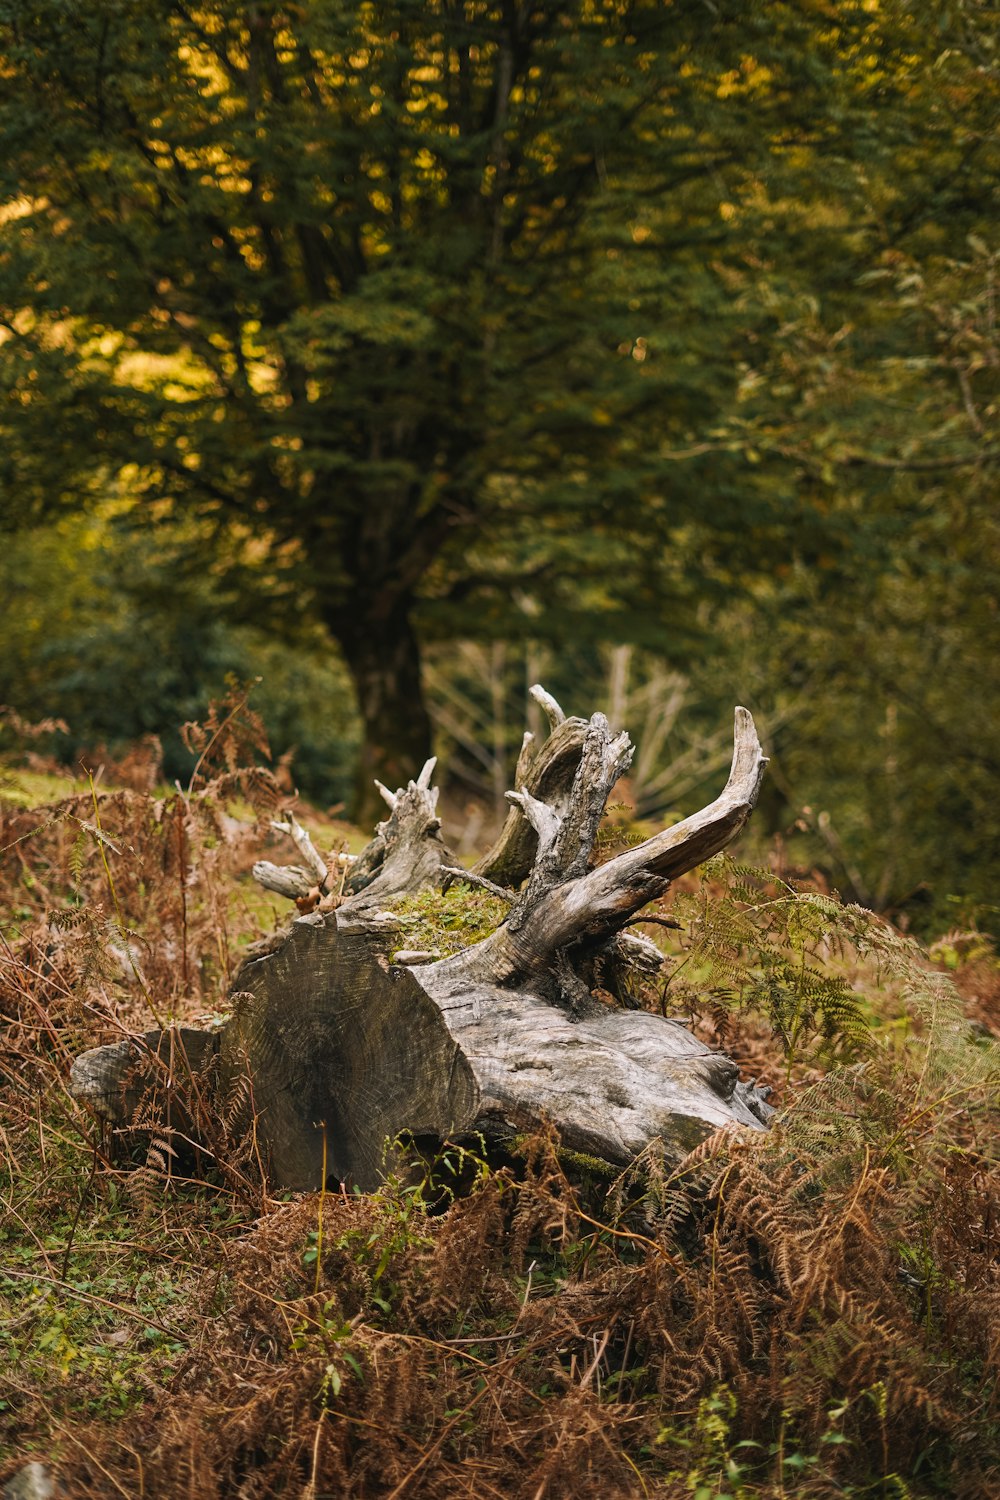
(811,1312)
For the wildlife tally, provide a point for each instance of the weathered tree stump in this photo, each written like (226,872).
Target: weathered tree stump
(349,1042)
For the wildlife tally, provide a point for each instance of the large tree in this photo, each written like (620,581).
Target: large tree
(882,391)
(410,308)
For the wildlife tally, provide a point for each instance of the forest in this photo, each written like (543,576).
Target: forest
(367,366)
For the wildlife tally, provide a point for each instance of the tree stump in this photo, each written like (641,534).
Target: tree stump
(350,1043)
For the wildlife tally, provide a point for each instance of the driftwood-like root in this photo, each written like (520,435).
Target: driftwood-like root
(348,1046)
(545,773)
(296,882)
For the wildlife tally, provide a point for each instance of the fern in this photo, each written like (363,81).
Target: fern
(755,943)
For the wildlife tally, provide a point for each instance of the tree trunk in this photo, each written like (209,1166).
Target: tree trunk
(344,1041)
(382,654)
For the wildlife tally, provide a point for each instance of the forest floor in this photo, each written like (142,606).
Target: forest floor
(813,1312)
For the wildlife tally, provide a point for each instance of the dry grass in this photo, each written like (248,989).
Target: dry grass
(811,1313)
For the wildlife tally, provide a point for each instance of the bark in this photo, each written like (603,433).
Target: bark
(348,1042)
(547,773)
(383,657)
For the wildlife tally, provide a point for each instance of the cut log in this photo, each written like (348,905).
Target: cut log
(348,1047)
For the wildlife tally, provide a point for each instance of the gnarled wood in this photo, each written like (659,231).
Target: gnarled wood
(347,1046)
(545,773)
(405,855)
(588,907)
(294,881)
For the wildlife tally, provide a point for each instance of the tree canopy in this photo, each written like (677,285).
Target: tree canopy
(564,322)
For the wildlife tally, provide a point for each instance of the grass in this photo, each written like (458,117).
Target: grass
(21,788)
(815,1312)
(89,1301)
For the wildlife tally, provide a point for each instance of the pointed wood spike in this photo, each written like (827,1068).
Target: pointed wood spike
(314,861)
(424,779)
(540,815)
(290,881)
(389,798)
(748,757)
(620,747)
(548,705)
(456,872)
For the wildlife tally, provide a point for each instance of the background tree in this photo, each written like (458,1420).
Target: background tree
(575,324)
(382,295)
(879,391)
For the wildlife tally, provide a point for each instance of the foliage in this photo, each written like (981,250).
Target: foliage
(813,1310)
(771,950)
(892,665)
(555,327)
(135,641)
(506,319)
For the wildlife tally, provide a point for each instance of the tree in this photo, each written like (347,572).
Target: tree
(906,648)
(880,393)
(412,307)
